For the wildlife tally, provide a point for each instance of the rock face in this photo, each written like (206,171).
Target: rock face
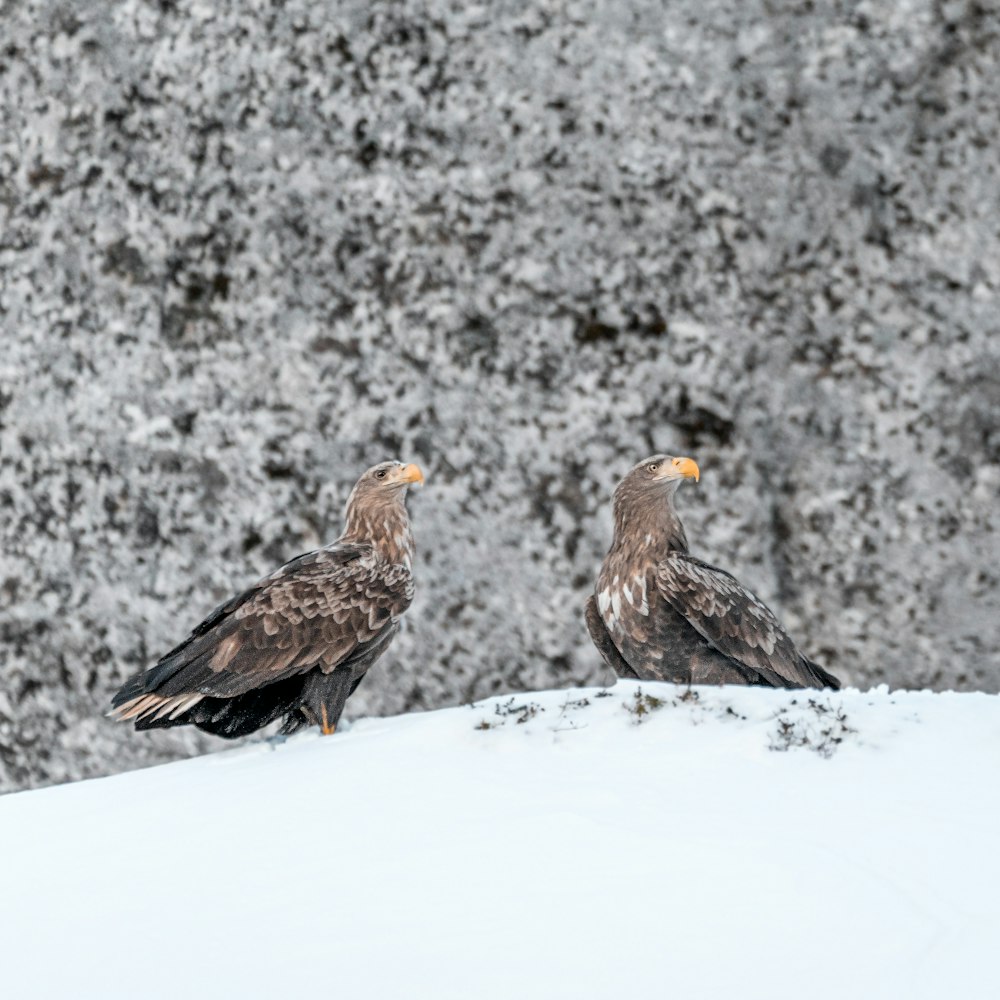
(248,248)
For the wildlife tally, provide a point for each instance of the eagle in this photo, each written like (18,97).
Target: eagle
(299,641)
(658,613)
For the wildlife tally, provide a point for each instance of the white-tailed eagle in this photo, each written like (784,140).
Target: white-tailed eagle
(299,641)
(658,613)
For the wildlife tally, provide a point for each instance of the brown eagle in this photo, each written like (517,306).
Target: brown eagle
(299,641)
(658,613)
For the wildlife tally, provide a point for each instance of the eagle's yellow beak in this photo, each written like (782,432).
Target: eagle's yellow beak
(411,474)
(686,467)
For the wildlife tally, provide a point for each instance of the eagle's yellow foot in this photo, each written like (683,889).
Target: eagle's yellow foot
(328,730)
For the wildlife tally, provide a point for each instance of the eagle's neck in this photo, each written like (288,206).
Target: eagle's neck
(385,526)
(646,525)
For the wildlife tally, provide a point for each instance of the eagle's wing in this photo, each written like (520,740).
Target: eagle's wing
(735,622)
(610,653)
(322,609)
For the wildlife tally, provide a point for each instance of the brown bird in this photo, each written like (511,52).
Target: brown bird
(299,641)
(658,613)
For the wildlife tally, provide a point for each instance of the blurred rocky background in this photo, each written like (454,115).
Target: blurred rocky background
(250,247)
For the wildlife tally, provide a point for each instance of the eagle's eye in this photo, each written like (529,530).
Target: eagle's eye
(653,466)
(380,474)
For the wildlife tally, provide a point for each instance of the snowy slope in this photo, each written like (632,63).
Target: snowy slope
(569,848)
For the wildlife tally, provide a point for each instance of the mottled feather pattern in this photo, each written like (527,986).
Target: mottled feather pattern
(310,613)
(332,600)
(731,618)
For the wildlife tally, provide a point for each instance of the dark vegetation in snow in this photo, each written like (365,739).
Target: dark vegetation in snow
(813,724)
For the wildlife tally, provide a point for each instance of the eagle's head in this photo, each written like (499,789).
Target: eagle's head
(658,474)
(390,477)
(376,512)
(384,483)
(643,502)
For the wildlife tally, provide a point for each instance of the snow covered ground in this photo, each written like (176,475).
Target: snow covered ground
(636,842)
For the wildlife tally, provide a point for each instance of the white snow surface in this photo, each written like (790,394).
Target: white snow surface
(585,851)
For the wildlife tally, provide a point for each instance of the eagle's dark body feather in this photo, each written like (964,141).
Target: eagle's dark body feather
(294,645)
(658,613)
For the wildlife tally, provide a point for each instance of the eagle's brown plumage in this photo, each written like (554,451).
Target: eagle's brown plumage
(658,613)
(299,641)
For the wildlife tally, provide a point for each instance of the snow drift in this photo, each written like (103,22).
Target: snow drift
(634,842)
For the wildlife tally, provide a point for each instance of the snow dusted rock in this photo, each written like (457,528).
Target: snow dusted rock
(247,249)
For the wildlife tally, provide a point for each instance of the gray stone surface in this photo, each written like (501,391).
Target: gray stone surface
(248,248)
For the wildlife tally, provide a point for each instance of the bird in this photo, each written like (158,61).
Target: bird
(659,613)
(299,641)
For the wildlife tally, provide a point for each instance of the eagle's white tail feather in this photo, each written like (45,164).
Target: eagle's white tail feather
(156,706)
